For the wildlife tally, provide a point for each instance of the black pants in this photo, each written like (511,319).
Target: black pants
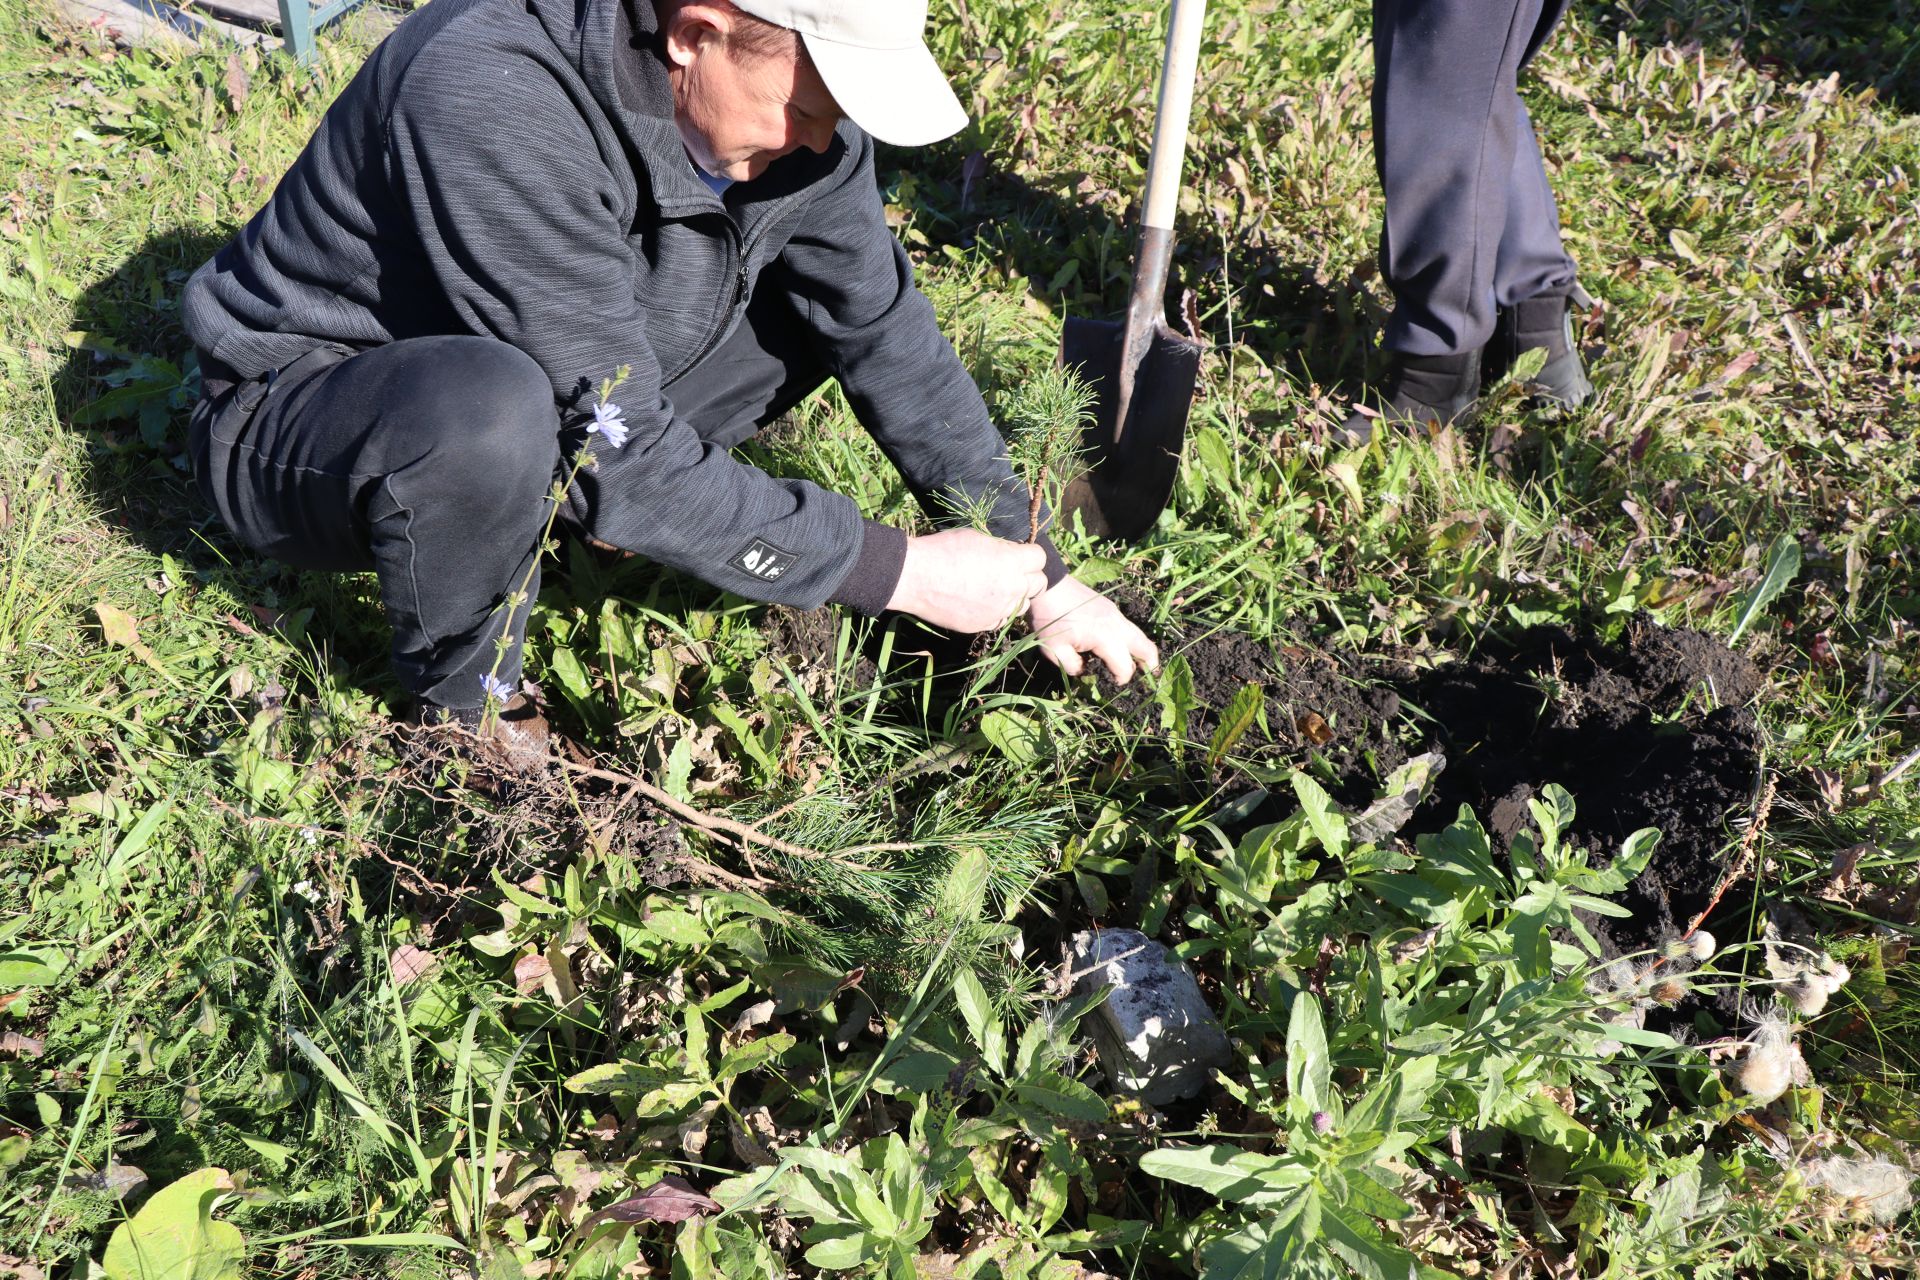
(429,461)
(1470,223)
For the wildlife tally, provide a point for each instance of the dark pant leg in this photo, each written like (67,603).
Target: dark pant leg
(427,461)
(1447,141)
(1531,261)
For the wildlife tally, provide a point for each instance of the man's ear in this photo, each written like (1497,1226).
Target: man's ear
(694,29)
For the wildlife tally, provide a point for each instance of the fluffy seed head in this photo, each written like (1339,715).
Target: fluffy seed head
(1669,992)
(1701,945)
(1764,1076)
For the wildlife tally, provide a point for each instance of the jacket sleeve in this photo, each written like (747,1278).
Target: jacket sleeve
(519,216)
(877,332)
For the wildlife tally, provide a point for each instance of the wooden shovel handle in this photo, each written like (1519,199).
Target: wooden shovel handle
(1170,119)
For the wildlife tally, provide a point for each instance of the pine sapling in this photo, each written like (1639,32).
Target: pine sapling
(1044,418)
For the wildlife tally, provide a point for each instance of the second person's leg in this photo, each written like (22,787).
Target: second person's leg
(1445,138)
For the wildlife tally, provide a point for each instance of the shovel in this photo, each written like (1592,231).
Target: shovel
(1141,371)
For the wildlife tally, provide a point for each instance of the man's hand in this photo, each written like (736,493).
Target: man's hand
(1072,619)
(968,581)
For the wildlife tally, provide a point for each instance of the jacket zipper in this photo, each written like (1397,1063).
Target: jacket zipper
(744,247)
(740,283)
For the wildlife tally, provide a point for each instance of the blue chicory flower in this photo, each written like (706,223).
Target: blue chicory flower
(497,689)
(609,421)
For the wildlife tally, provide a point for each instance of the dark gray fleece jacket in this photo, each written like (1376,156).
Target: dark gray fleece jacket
(511,168)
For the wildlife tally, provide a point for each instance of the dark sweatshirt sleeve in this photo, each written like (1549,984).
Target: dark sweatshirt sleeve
(536,256)
(852,280)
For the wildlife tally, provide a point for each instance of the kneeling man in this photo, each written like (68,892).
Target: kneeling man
(516,200)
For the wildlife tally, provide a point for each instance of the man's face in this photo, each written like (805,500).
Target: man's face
(738,110)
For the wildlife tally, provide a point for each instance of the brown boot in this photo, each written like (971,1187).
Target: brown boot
(511,739)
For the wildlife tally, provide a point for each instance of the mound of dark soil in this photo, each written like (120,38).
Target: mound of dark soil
(1653,732)
(1322,707)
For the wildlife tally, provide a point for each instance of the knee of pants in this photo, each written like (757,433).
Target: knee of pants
(495,426)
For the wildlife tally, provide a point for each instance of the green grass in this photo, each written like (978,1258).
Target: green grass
(215,853)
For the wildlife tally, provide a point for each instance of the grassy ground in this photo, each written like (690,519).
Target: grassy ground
(245,929)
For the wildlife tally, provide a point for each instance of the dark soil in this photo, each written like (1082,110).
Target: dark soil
(1653,732)
(809,639)
(1323,709)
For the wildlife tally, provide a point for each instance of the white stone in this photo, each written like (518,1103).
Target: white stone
(1156,1036)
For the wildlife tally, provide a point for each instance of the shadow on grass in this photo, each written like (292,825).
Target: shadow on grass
(1078,259)
(1869,44)
(127,387)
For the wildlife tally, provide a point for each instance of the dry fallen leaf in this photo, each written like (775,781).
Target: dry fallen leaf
(672,1199)
(1314,729)
(529,972)
(236,80)
(21,1046)
(14,1268)
(409,963)
(120,630)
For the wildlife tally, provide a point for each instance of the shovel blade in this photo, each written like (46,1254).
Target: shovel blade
(1130,465)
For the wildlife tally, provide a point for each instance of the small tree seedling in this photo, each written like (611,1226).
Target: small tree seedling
(1043,419)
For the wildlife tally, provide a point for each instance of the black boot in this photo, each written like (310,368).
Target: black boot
(1420,390)
(1540,323)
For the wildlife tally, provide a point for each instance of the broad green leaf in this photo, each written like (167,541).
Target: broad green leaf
(1174,693)
(839,1249)
(1014,734)
(1539,1117)
(1366,1195)
(1328,823)
(1239,717)
(30,969)
(753,1054)
(797,985)
(1783,565)
(1061,1096)
(619,1077)
(175,1237)
(1279,1246)
(272,1152)
(572,674)
(1629,1034)
(921,1071)
(1672,1206)
(983,1025)
(964,896)
(681,928)
(1227,1172)
(1309,1070)
(1358,1242)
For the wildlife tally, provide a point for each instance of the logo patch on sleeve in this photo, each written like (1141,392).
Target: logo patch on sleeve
(764,560)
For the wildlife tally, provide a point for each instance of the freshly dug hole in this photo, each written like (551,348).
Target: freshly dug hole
(1652,732)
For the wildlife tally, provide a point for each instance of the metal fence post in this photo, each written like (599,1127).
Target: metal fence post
(296,28)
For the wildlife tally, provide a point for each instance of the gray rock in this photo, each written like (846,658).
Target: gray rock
(1156,1036)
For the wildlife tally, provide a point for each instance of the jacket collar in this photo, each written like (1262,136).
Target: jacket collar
(615,46)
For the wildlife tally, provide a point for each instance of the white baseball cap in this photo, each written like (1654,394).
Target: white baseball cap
(875,64)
